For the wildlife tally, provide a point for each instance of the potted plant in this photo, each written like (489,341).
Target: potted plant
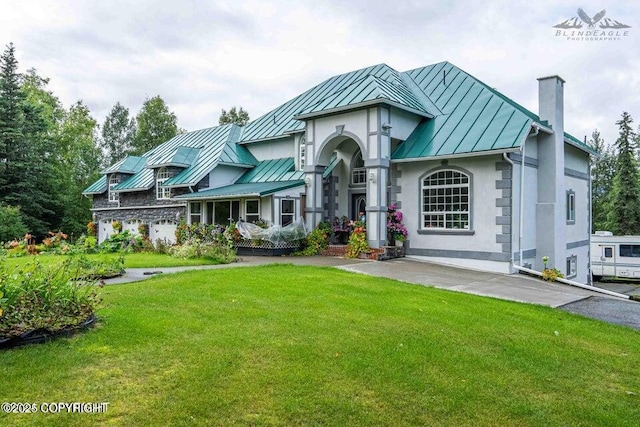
(395,228)
(550,274)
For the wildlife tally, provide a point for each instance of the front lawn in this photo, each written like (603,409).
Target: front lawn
(285,345)
(133,260)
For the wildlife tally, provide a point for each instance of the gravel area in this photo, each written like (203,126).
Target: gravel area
(612,310)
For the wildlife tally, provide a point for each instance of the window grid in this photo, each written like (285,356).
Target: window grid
(445,200)
(302,153)
(163,192)
(196,212)
(571,206)
(113,196)
(252,210)
(287,211)
(572,266)
(359,176)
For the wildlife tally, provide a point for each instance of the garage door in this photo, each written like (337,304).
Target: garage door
(105,230)
(164,230)
(132,225)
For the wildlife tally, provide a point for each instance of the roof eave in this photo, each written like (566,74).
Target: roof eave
(169,164)
(360,105)
(239,165)
(582,148)
(132,190)
(457,156)
(270,138)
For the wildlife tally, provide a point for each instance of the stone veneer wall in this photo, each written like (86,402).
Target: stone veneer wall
(105,210)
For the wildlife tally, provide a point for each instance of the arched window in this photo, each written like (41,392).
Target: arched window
(302,153)
(446,200)
(359,172)
(113,181)
(163,192)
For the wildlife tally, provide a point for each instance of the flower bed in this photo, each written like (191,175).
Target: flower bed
(40,302)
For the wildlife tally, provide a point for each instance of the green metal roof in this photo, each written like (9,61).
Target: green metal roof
(365,91)
(272,170)
(98,187)
(475,118)
(129,165)
(255,189)
(181,157)
(332,164)
(280,121)
(580,144)
(141,181)
(217,145)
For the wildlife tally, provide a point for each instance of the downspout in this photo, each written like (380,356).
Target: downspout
(506,158)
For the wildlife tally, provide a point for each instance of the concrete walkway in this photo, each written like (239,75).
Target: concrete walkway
(510,287)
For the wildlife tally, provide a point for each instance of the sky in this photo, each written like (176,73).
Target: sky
(203,56)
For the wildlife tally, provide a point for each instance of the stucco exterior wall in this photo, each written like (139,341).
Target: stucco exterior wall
(276,149)
(224,175)
(481,242)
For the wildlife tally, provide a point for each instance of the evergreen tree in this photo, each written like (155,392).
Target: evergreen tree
(11,120)
(624,215)
(156,124)
(25,148)
(79,160)
(603,172)
(239,117)
(118,133)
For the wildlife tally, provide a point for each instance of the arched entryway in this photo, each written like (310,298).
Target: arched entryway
(356,183)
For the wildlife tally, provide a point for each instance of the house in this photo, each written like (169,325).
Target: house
(482,181)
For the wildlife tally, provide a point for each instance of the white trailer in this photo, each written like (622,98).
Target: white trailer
(615,256)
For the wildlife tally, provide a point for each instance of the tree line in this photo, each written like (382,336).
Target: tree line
(616,181)
(50,153)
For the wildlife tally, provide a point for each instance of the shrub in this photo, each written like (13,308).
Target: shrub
(122,242)
(357,242)
(96,269)
(315,242)
(44,298)
(217,252)
(11,225)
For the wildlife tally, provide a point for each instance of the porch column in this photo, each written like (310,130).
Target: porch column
(313,182)
(377,176)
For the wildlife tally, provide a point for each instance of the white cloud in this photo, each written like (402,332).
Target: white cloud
(204,56)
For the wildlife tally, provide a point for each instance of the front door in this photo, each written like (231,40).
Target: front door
(358,204)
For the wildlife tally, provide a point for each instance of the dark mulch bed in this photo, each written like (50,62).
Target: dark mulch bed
(41,336)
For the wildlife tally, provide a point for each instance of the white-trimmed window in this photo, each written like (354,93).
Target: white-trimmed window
(359,172)
(572,266)
(252,210)
(302,153)
(163,193)
(195,209)
(446,200)
(114,180)
(571,207)
(287,211)
(226,211)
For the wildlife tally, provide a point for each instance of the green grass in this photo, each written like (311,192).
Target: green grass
(285,345)
(135,260)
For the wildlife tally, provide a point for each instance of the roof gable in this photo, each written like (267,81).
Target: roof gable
(474,117)
(280,121)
